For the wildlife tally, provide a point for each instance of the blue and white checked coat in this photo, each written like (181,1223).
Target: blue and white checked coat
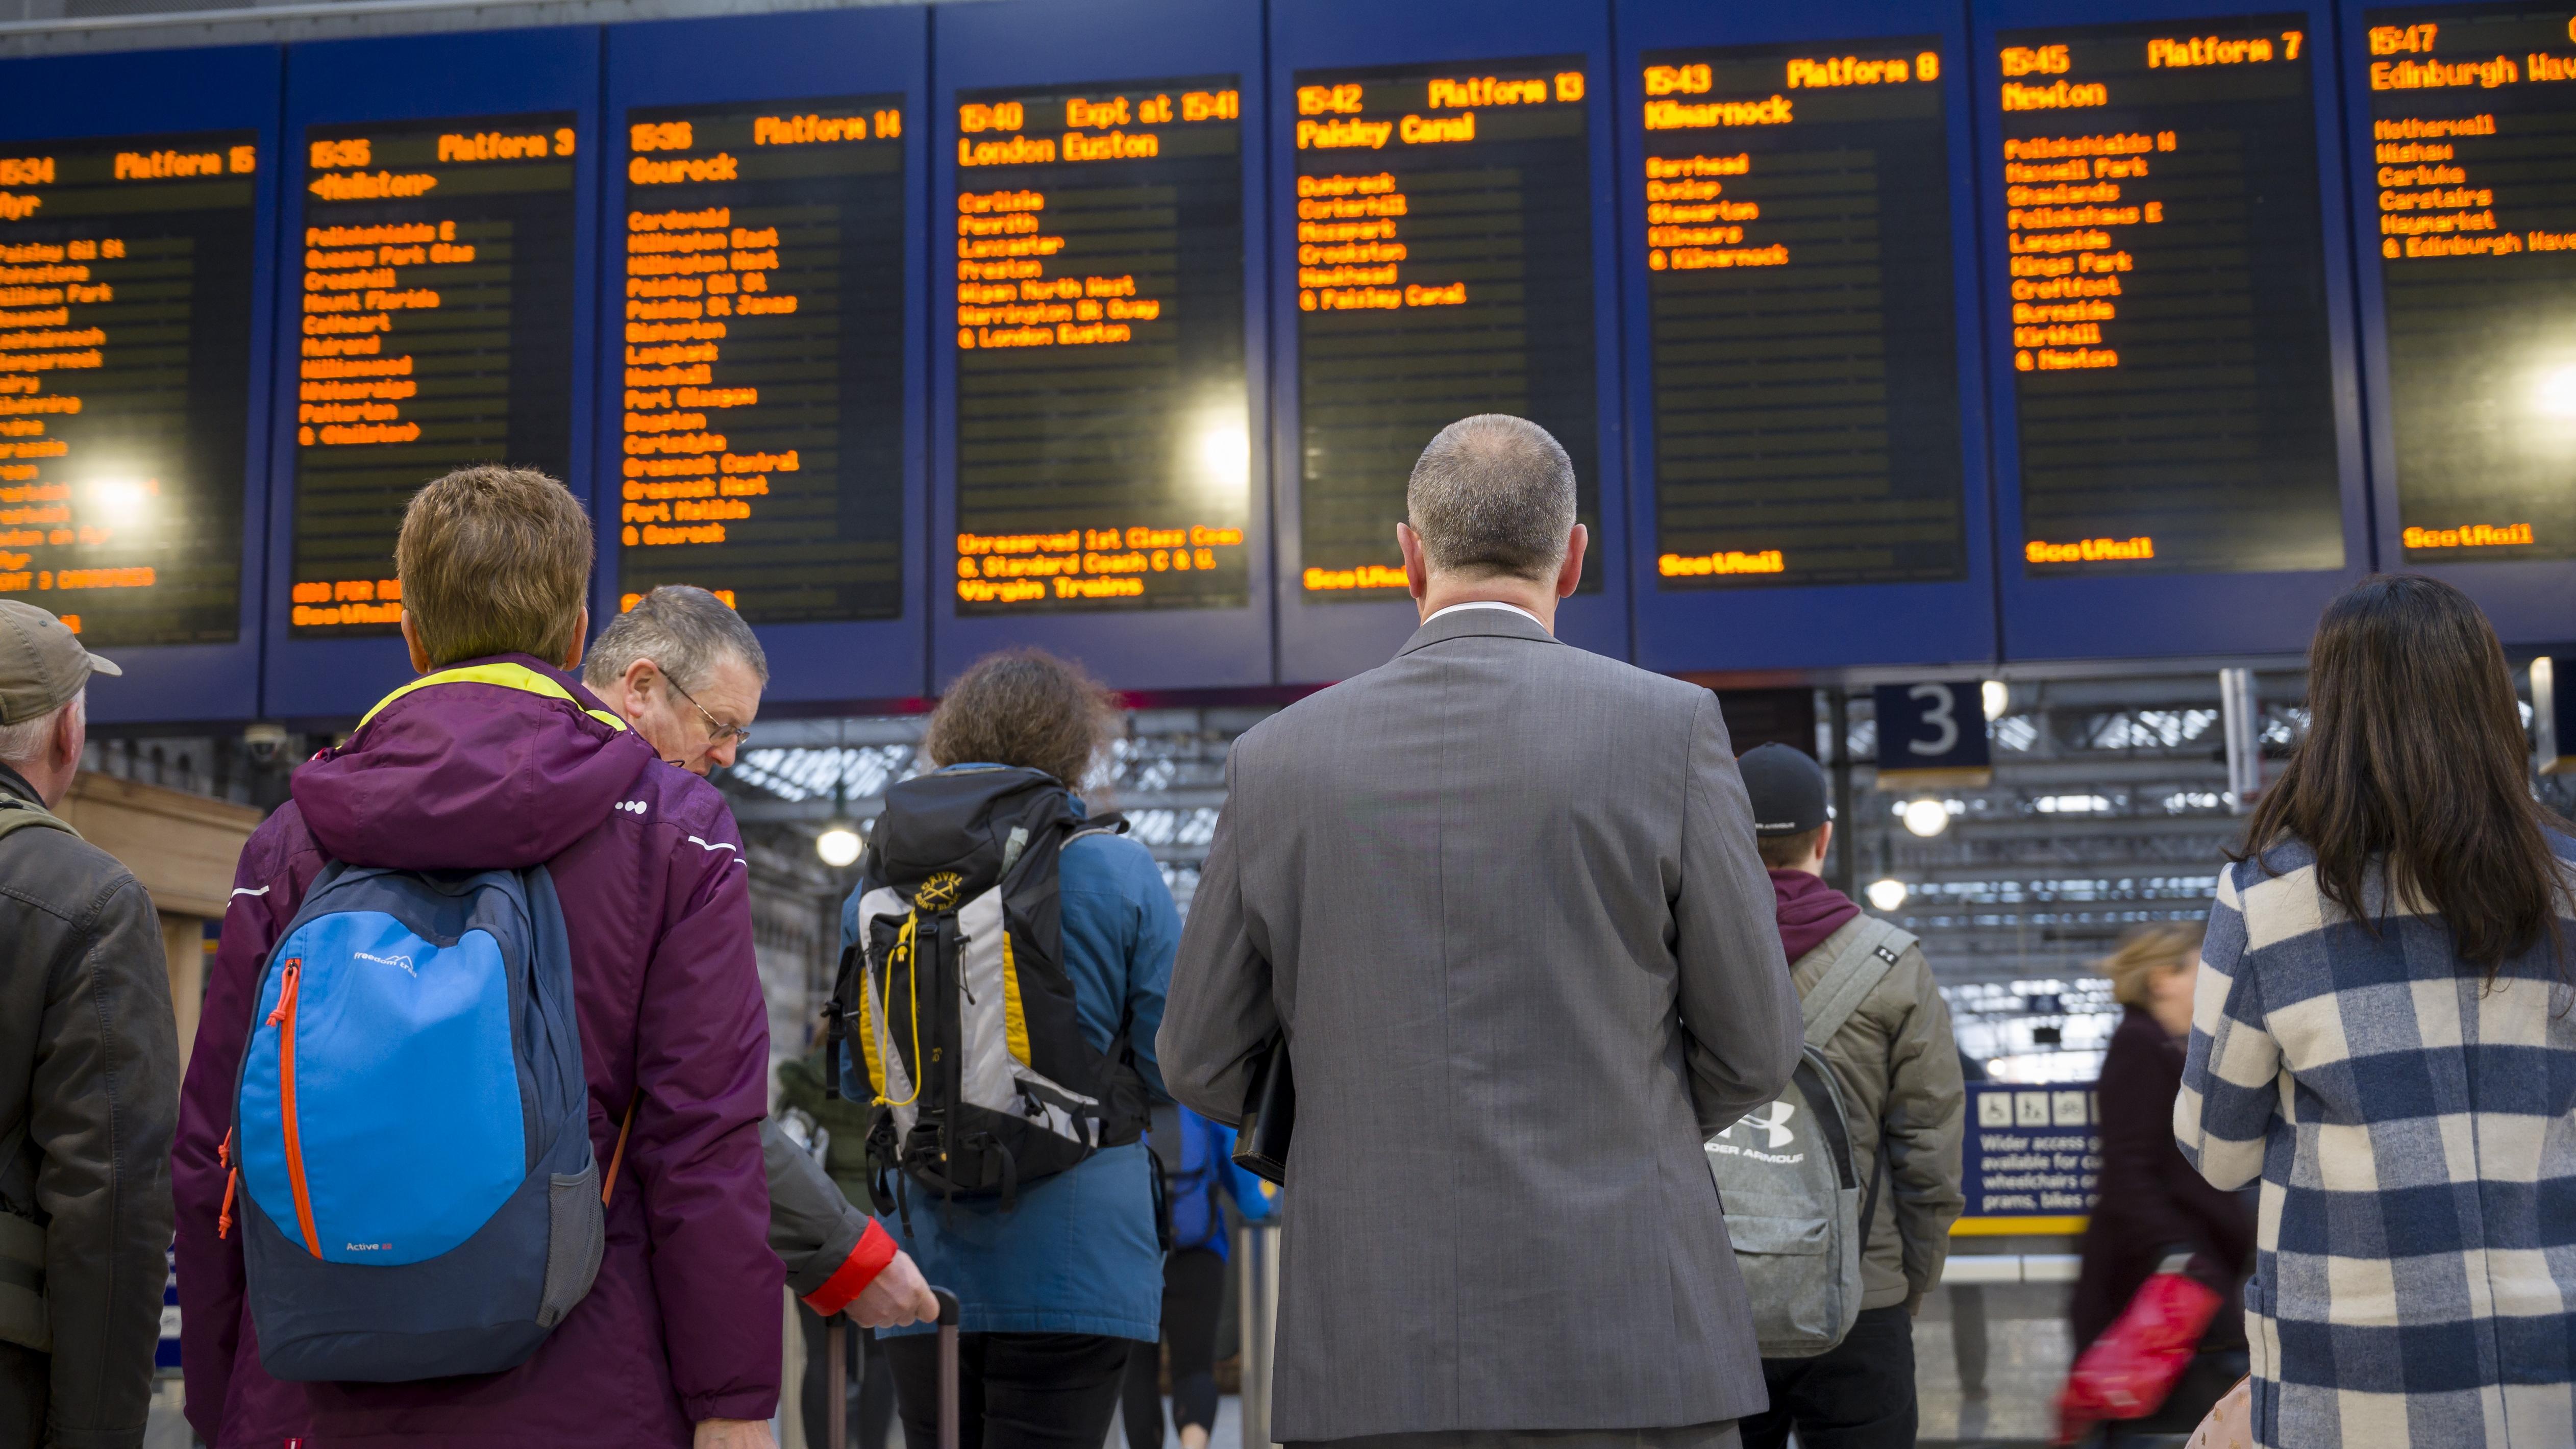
(2415,1132)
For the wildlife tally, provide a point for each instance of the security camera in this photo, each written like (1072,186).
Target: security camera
(265,741)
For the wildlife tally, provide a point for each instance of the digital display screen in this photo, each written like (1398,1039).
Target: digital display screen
(125,315)
(1442,236)
(435,275)
(1103,429)
(2172,365)
(2473,151)
(1797,235)
(762,357)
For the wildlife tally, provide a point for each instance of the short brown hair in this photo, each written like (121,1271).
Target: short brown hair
(2146,950)
(1023,707)
(1781,852)
(494,560)
(1492,497)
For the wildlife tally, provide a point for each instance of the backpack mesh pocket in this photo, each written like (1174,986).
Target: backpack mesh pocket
(576,1237)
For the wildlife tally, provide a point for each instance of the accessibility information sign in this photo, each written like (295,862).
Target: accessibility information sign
(2031,1159)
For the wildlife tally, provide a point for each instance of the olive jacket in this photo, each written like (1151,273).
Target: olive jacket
(1898,1067)
(89,1066)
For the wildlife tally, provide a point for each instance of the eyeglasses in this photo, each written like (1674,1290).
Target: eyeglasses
(718,732)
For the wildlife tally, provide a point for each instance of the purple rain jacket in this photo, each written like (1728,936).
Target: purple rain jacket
(508,767)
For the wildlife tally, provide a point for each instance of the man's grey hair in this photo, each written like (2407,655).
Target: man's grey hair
(686,631)
(1493,495)
(24,743)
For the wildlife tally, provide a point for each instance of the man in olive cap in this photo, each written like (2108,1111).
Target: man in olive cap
(89,1077)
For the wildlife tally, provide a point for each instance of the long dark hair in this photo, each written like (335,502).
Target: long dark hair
(2415,760)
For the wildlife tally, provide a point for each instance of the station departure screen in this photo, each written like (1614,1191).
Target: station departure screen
(2172,364)
(1443,244)
(2473,145)
(762,355)
(125,284)
(1798,273)
(435,272)
(1103,427)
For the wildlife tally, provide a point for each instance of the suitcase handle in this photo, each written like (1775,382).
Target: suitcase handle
(948,1315)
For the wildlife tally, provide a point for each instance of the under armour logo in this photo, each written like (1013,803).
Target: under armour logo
(1771,1118)
(635,805)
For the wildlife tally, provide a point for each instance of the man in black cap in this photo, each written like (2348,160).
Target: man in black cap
(89,1077)
(1898,1070)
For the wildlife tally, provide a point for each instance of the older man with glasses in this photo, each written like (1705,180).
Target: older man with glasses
(686,671)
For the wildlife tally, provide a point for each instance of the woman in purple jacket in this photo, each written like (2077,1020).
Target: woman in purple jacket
(2153,1206)
(497,758)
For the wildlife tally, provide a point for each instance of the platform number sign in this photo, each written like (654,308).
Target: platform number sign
(1934,732)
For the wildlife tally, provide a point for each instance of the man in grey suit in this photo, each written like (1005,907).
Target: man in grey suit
(1503,897)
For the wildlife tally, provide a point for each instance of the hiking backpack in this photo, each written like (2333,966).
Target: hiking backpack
(417,1195)
(1786,1179)
(955,988)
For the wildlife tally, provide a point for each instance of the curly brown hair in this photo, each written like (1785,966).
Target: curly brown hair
(1024,707)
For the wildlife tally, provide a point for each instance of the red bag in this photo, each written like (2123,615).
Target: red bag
(2126,1373)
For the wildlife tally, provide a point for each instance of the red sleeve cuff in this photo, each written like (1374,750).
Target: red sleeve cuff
(876,1249)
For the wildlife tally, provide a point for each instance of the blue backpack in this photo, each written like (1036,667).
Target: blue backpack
(411,1133)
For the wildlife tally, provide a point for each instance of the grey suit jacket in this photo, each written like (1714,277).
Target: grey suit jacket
(1503,896)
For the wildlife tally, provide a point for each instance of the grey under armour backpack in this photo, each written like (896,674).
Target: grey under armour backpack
(1786,1179)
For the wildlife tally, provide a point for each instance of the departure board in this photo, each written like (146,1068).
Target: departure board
(762,357)
(1798,274)
(1443,244)
(1103,428)
(2166,299)
(2473,151)
(125,324)
(435,267)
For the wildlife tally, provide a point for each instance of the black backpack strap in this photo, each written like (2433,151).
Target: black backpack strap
(836,1013)
(1869,1201)
(1825,1106)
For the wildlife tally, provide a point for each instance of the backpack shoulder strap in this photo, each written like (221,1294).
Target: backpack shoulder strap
(17,814)
(1864,961)
(1098,825)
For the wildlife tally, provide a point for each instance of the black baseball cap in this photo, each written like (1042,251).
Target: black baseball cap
(1788,789)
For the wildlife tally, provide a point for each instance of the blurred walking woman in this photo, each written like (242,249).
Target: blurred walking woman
(2384,1033)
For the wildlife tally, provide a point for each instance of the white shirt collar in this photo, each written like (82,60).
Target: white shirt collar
(1490,604)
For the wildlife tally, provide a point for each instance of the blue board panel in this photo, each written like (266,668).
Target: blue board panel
(2177,425)
(440,230)
(1806,402)
(2464,252)
(1445,243)
(1097,367)
(136,202)
(763,363)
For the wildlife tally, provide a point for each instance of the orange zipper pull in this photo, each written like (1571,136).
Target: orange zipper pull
(286,992)
(232,1179)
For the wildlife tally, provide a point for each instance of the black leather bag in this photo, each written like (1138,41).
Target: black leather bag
(1269,1116)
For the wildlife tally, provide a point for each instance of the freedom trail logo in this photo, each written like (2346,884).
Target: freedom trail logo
(402,961)
(1771,1121)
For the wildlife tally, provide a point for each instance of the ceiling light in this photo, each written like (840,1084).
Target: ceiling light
(1886,895)
(1926,818)
(838,844)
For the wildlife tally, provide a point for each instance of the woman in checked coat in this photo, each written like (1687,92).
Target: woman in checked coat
(2385,1034)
